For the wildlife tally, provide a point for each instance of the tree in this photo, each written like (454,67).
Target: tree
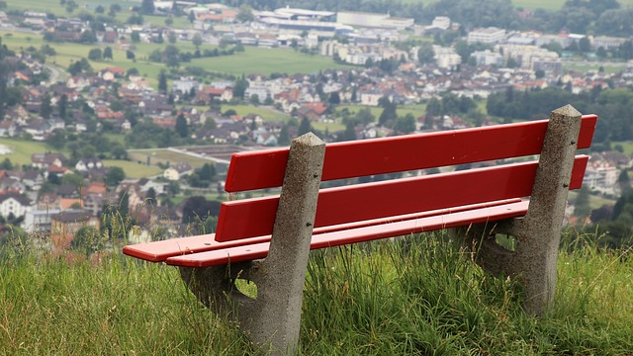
(87,37)
(135,36)
(207,171)
(107,53)
(45,108)
(135,19)
(95,54)
(240,88)
(335,98)
(173,188)
(71,5)
(151,196)
(6,165)
(197,208)
(584,44)
(114,176)
(162,82)
(99,9)
(405,125)
(147,7)
(130,55)
(62,106)
(172,37)
(182,127)
(284,137)
(426,54)
(388,112)
(114,8)
(197,40)
(73,179)
(305,126)
(582,209)
(245,14)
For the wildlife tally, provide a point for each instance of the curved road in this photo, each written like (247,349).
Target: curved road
(56,74)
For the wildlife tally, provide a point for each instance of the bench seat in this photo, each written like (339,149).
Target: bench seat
(336,237)
(204,251)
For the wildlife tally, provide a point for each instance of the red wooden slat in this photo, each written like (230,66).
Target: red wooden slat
(437,222)
(159,251)
(255,217)
(265,169)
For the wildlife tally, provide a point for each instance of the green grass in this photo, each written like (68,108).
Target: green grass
(164,156)
(593,66)
(267,113)
(22,150)
(133,169)
(416,110)
(627,146)
(417,296)
(266,61)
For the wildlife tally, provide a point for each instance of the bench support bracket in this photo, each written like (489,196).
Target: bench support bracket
(537,234)
(272,319)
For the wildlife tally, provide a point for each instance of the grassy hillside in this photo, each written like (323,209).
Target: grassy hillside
(413,297)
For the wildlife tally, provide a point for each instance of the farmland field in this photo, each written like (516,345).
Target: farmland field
(416,110)
(133,169)
(22,150)
(267,61)
(164,156)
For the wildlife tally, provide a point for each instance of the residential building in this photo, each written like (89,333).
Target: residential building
(70,221)
(14,204)
(489,35)
(177,171)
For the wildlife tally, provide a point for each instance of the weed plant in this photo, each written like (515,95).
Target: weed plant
(409,296)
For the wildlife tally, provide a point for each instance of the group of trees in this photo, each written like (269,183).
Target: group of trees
(172,56)
(203,177)
(615,107)
(6,70)
(96,54)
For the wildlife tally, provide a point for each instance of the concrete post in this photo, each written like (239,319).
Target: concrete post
(274,321)
(538,236)
(538,233)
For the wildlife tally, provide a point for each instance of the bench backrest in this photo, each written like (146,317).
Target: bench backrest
(265,169)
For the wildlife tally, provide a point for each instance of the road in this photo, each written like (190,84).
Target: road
(56,73)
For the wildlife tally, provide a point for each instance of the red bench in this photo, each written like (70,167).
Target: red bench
(353,213)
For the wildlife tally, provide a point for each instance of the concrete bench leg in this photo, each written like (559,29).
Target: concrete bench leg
(538,233)
(272,320)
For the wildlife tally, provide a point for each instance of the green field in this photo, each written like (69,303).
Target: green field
(267,113)
(22,150)
(133,169)
(164,156)
(266,61)
(415,110)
